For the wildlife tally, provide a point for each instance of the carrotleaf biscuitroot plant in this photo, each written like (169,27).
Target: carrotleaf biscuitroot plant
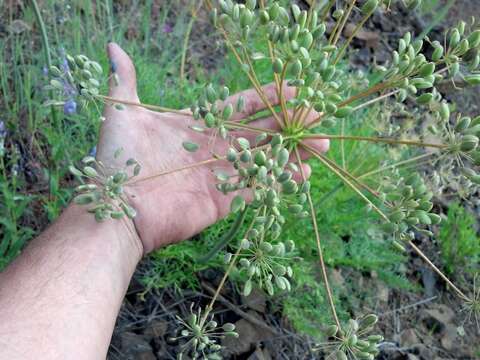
(302,54)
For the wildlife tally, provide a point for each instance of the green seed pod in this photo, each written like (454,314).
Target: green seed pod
(231,155)
(454,69)
(328,123)
(454,38)
(296,68)
(74,171)
(210,120)
(284,176)
(319,31)
(474,39)
(462,48)
(246,156)
(424,98)
(190,146)
(90,172)
(368,321)
(340,355)
(364,356)
(282,158)
(295,11)
(241,104)
(330,108)
(444,111)
(228,327)
(369,7)
(277,66)
(244,143)
(251,4)
(289,187)
(236,13)
(224,92)
(277,139)
(228,112)
(260,158)
(463,123)
(343,112)
(128,210)
(423,217)
(427,69)
(274,11)
(84,199)
(473,79)
(264,17)
(468,143)
(436,219)
(437,52)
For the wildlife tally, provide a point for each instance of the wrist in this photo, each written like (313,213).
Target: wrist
(118,236)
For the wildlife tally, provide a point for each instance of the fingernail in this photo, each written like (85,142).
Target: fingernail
(113,66)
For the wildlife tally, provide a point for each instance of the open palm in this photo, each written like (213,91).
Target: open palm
(177,205)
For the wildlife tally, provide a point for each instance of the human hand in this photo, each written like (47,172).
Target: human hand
(177,205)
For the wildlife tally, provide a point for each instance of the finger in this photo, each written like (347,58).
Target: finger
(253,101)
(123,82)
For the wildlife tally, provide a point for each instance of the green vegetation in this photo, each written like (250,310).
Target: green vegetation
(459,241)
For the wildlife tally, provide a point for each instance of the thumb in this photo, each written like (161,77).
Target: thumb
(123,82)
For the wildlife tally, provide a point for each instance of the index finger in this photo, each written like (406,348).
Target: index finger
(253,101)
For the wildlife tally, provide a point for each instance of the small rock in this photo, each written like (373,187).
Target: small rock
(409,338)
(135,346)
(256,300)
(155,329)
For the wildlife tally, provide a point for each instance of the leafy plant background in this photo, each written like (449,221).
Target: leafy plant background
(35,185)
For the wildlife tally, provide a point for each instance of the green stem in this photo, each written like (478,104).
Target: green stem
(319,244)
(376,140)
(320,157)
(349,40)
(145,106)
(226,238)
(187,38)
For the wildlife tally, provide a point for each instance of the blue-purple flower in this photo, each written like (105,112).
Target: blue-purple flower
(70,107)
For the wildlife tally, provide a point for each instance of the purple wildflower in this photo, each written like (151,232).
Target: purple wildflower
(70,107)
(113,66)
(167,28)
(45,71)
(3,130)
(93,151)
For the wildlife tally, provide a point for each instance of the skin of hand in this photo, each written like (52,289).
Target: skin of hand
(176,206)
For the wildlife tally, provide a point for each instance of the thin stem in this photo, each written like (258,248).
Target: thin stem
(401,163)
(344,21)
(327,9)
(379,98)
(320,157)
(376,140)
(146,106)
(349,40)
(231,124)
(319,244)
(227,273)
(187,37)
(46,47)
(183,168)
(438,271)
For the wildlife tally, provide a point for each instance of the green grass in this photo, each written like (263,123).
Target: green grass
(38,146)
(459,242)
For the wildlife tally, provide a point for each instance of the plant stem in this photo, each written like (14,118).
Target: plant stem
(385,168)
(187,37)
(46,49)
(209,307)
(379,98)
(349,40)
(344,178)
(376,140)
(146,106)
(231,124)
(438,271)
(319,244)
(183,168)
(344,20)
